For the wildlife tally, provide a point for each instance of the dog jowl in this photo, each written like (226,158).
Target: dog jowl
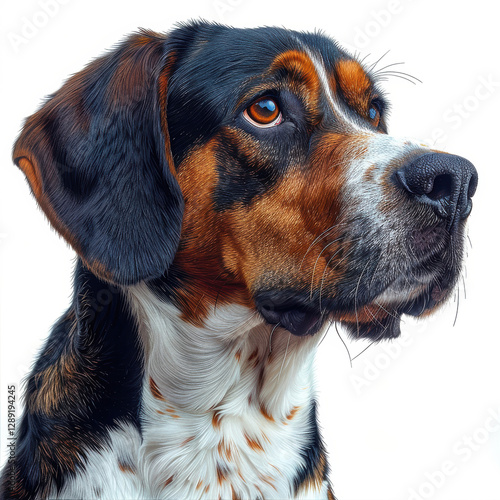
(230,193)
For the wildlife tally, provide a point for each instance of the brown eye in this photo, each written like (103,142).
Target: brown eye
(264,113)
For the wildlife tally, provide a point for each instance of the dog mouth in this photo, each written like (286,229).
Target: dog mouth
(376,291)
(376,319)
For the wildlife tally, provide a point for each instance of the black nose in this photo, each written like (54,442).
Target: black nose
(444,182)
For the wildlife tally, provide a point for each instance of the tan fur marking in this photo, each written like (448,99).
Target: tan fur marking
(221,475)
(268,480)
(293,412)
(155,391)
(253,360)
(368,176)
(254,444)
(216,418)
(355,84)
(314,482)
(124,467)
(188,440)
(162,98)
(224,448)
(234,496)
(300,69)
(266,414)
(32,174)
(57,384)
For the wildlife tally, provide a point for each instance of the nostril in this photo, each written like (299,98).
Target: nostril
(443,182)
(441,188)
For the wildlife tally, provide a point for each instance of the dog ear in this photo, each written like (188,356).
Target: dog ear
(98,160)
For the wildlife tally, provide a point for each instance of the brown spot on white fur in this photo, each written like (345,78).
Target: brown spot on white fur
(155,391)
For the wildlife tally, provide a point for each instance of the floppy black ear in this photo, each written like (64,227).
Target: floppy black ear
(97,157)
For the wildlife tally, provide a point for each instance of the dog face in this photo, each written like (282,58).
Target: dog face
(252,167)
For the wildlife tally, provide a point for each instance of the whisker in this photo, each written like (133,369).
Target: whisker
(199,302)
(333,268)
(387,74)
(404,73)
(345,345)
(385,310)
(218,291)
(396,72)
(317,260)
(375,272)
(356,296)
(364,58)
(216,301)
(403,76)
(271,336)
(470,241)
(323,234)
(387,66)
(369,345)
(458,304)
(324,335)
(378,60)
(374,317)
(324,273)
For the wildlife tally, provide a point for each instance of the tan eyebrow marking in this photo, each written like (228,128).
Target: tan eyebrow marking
(354,83)
(296,70)
(330,88)
(299,67)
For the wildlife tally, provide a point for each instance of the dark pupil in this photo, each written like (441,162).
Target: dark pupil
(266,107)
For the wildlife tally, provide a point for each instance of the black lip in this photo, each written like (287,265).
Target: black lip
(296,321)
(296,312)
(386,328)
(290,310)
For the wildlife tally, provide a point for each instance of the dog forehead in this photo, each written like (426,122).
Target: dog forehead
(226,57)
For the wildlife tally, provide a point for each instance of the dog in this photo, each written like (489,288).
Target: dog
(229,193)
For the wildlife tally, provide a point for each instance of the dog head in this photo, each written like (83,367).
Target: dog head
(251,166)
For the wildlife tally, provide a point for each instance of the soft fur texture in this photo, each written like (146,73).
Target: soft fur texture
(229,194)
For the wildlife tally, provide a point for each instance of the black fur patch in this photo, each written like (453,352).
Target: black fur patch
(98,338)
(312,453)
(101,155)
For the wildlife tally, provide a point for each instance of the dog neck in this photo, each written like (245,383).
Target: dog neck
(218,398)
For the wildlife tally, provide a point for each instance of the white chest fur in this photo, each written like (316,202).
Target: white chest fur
(226,408)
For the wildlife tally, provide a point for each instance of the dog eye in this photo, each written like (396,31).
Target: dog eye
(263,113)
(374,113)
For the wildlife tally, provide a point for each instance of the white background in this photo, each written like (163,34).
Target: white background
(395,419)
